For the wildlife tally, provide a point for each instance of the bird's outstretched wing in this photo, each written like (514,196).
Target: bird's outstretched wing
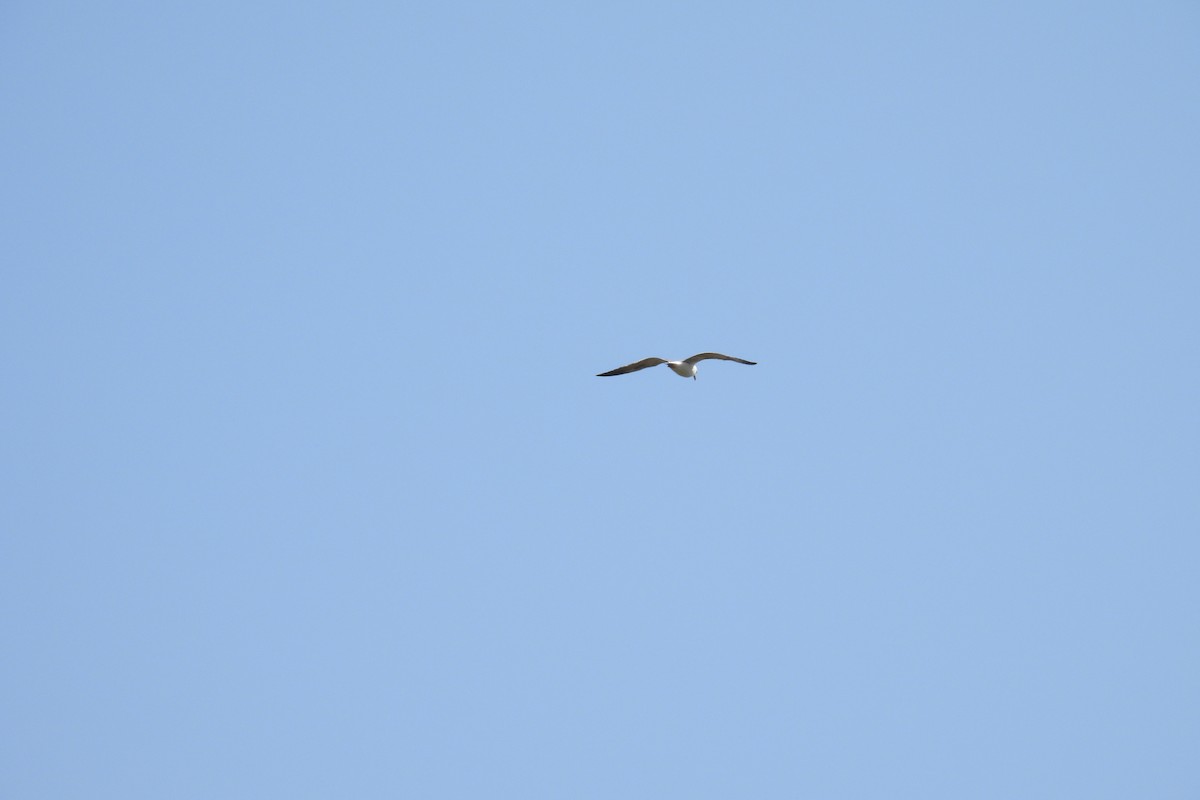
(703,356)
(634,367)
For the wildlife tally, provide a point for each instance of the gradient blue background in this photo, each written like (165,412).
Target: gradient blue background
(310,490)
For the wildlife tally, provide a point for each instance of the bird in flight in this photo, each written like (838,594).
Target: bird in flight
(684,369)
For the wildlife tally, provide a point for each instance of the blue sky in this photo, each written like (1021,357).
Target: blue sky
(310,489)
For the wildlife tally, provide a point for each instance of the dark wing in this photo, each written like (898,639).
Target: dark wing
(634,367)
(703,356)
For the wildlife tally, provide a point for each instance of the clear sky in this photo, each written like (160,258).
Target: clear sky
(310,489)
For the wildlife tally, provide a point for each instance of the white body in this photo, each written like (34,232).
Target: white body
(683,369)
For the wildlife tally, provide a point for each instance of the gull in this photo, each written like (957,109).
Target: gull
(684,369)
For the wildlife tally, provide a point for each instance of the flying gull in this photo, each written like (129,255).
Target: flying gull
(684,369)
